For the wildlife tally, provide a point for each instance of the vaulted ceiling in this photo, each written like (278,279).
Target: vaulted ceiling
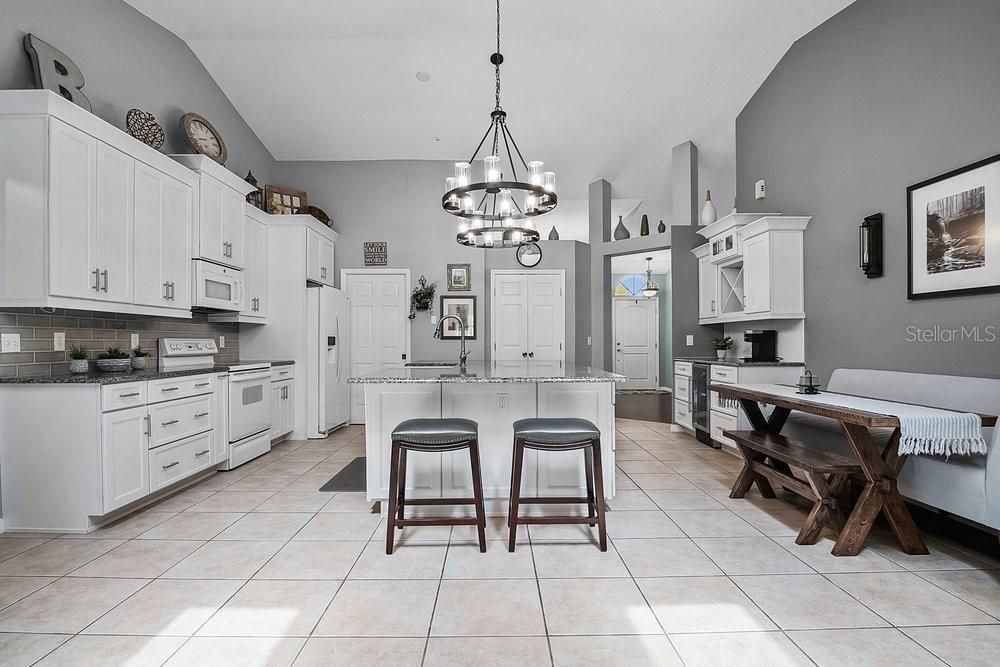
(593,88)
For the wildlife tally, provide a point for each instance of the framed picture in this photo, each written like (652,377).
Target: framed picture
(953,232)
(459,278)
(463,307)
(376,253)
(283,201)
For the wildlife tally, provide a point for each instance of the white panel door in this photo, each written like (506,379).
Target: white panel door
(708,288)
(73,252)
(757,274)
(546,317)
(234,227)
(510,317)
(124,451)
(380,330)
(210,221)
(636,341)
(115,195)
(255,303)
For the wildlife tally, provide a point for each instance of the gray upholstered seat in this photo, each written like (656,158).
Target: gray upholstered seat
(436,434)
(560,432)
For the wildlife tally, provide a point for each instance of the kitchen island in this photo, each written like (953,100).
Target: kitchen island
(494,395)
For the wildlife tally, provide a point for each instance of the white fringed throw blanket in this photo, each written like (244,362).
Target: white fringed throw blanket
(923,430)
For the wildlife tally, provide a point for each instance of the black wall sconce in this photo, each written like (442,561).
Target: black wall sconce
(870,246)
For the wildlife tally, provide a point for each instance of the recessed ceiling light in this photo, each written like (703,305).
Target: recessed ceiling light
(423,76)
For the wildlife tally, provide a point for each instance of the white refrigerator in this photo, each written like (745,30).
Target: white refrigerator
(328,365)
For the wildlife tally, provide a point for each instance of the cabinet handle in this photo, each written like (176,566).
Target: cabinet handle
(322,272)
(166,291)
(282,372)
(169,422)
(104,278)
(171,465)
(171,288)
(200,415)
(129,395)
(203,384)
(169,388)
(202,452)
(531,354)
(97,280)
(149,426)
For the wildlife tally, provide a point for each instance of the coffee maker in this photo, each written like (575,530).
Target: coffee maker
(763,344)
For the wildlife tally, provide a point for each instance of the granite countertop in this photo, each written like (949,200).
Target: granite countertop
(498,373)
(95,376)
(738,362)
(279,362)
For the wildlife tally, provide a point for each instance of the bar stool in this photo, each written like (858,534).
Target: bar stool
(559,435)
(433,435)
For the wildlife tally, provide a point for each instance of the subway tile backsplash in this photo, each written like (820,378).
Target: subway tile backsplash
(97,331)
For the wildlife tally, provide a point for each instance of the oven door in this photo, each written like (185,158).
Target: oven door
(249,403)
(217,287)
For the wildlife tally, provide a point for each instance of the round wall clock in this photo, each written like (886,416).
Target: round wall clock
(529,255)
(203,137)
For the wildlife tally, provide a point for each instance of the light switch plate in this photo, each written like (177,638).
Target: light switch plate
(134,340)
(59,341)
(689,340)
(222,342)
(759,189)
(10,343)
(502,401)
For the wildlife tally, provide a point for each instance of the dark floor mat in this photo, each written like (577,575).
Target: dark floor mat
(351,478)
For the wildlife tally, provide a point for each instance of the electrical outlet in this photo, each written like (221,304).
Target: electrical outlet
(588,340)
(759,189)
(10,343)
(222,342)
(689,340)
(134,339)
(502,401)
(59,341)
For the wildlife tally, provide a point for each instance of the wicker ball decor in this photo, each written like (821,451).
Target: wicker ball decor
(143,126)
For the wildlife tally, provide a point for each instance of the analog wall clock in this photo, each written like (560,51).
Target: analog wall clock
(203,137)
(529,255)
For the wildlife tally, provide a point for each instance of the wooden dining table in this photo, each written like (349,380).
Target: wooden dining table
(880,466)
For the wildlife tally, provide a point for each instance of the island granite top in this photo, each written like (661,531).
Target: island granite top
(498,373)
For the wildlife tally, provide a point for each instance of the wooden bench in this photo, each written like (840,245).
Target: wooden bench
(768,458)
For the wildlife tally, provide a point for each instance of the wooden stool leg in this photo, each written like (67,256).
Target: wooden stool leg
(390,519)
(402,484)
(477,486)
(588,461)
(602,531)
(515,492)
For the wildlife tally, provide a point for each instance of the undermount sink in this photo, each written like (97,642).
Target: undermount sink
(431,364)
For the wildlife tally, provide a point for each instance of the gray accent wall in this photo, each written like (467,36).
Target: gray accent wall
(883,95)
(129,61)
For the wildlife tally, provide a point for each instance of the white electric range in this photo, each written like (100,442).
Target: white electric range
(245,403)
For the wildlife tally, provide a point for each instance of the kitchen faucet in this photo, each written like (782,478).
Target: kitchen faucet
(463,354)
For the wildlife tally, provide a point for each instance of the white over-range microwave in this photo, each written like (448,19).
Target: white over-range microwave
(217,287)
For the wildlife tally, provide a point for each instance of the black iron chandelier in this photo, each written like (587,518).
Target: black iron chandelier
(498,211)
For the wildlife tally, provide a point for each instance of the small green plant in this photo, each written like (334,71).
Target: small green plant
(113,353)
(78,352)
(137,351)
(722,343)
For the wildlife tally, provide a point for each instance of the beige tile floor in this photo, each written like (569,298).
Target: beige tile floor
(256,567)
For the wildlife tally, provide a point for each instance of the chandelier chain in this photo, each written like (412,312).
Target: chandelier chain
(497,66)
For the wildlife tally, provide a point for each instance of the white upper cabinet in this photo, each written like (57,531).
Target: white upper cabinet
(757,276)
(164,208)
(222,210)
(255,301)
(319,258)
(92,219)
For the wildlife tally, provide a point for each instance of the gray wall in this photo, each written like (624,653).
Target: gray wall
(128,61)
(879,97)
(398,202)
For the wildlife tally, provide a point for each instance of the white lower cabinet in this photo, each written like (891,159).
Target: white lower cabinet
(682,394)
(726,413)
(282,408)
(124,445)
(173,462)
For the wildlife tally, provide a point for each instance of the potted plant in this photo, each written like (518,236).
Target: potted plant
(139,357)
(78,359)
(722,346)
(113,359)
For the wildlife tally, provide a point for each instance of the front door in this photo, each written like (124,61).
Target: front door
(380,330)
(636,349)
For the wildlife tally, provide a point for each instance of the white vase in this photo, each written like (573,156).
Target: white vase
(78,366)
(138,363)
(721,354)
(708,215)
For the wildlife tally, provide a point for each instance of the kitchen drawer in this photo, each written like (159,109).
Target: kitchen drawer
(682,368)
(174,420)
(719,422)
(172,463)
(279,373)
(182,387)
(118,396)
(729,406)
(728,374)
(682,388)
(682,414)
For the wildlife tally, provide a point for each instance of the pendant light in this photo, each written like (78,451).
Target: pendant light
(497,210)
(651,289)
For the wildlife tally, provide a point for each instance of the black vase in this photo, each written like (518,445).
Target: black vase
(621,232)
(553,234)
(644,226)
(661,227)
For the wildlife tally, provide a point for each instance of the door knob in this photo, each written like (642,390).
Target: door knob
(531,354)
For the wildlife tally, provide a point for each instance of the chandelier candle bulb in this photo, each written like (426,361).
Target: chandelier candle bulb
(463,171)
(549,181)
(535,172)
(450,184)
(468,204)
(491,167)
